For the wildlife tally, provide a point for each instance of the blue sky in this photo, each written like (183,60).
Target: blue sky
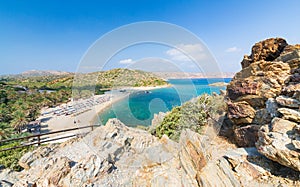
(54,35)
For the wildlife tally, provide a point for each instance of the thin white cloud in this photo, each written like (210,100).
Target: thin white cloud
(193,50)
(126,61)
(232,50)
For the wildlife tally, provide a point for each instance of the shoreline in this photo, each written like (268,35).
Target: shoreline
(106,105)
(144,88)
(126,94)
(51,122)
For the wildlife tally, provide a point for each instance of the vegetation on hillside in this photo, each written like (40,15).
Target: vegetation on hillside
(126,77)
(84,84)
(117,78)
(18,105)
(193,115)
(22,97)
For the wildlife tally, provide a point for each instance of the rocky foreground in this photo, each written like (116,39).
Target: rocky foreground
(117,155)
(264,102)
(263,121)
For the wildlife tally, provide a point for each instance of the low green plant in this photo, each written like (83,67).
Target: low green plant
(192,115)
(5,130)
(9,159)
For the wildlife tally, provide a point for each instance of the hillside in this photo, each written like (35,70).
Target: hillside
(126,77)
(120,77)
(34,73)
(105,79)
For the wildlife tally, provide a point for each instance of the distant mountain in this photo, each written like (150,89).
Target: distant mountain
(185,75)
(102,79)
(35,73)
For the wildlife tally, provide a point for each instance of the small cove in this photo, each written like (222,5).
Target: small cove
(140,106)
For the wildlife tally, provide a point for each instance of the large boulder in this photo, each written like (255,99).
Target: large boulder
(290,114)
(280,139)
(245,167)
(268,82)
(192,155)
(288,102)
(280,142)
(30,157)
(267,50)
(245,136)
(240,112)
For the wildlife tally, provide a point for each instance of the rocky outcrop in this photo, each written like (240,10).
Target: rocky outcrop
(236,166)
(192,154)
(236,169)
(280,141)
(8,177)
(246,135)
(116,155)
(264,102)
(267,50)
(268,80)
(156,121)
(27,159)
(111,155)
(219,166)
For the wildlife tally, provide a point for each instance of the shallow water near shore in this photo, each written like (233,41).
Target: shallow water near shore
(140,106)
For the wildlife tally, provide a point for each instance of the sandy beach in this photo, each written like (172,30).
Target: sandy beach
(54,122)
(50,121)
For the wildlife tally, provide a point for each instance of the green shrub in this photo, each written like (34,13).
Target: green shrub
(192,115)
(10,159)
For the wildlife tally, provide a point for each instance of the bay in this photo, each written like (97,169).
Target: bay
(140,106)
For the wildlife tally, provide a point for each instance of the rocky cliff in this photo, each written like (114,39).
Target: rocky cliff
(264,100)
(116,155)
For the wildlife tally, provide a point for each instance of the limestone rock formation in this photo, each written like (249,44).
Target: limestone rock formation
(269,79)
(267,50)
(280,142)
(116,155)
(192,153)
(27,159)
(235,169)
(111,155)
(264,101)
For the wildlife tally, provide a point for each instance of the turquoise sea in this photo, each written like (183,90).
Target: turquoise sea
(139,107)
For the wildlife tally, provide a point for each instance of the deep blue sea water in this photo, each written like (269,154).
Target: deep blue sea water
(139,107)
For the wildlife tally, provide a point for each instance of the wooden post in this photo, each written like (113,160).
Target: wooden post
(39,140)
